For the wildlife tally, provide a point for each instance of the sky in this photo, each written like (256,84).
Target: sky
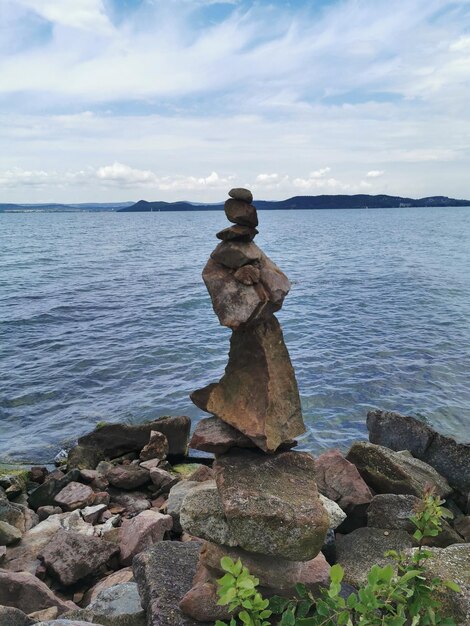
(121,100)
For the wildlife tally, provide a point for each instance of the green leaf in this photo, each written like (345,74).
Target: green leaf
(277,604)
(336,573)
(303,608)
(301,590)
(343,618)
(265,614)
(219,623)
(227,564)
(352,600)
(288,618)
(418,535)
(453,586)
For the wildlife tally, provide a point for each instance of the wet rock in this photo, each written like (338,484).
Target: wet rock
(128,476)
(200,603)
(45,494)
(235,254)
(24,591)
(124,575)
(141,532)
(237,233)
(46,511)
(336,515)
(240,212)
(9,534)
(71,557)
(164,574)
(175,501)
(258,395)
(10,616)
(75,495)
(271,502)
(395,472)
(202,515)
(340,481)
(118,439)
(248,275)
(213,435)
(240,193)
(393,511)
(117,606)
(403,432)
(358,551)
(84,457)
(157,447)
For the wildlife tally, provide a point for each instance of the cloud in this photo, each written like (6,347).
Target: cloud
(375,173)
(88,15)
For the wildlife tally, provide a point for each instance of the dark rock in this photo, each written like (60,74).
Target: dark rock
(164,574)
(240,212)
(141,532)
(46,511)
(237,233)
(462,526)
(258,395)
(128,476)
(10,616)
(400,432)
(387,471)
(271,502)
(24,591)
(248,275)
(240,193)
(163,480)
(118,439)
(72,556)
(393,511)
(45,494)
(213,435)
(157,448)
(365,547)
(235,254)
(38,474)
(74,496)
(84,457)
(116,606)
(13,514)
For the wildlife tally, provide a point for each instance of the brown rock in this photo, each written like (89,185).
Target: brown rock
(132,503)
(340,481)
(271,502)
(69,557)
(157,448)
(462,526)
(237,233)
(74,496)
(202,474)
(163,480)
(258,394)
(235,254)
(213,435)
(45,615)
(200,603)
(88,475)
(240,193)
(128,476)
(248,275)
(240,212)
(102,497)
(26,592)
(38,474)
(124,575)
(150,464)
(141,532)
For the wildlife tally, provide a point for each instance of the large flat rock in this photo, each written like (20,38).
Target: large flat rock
(271,503)
(23,591)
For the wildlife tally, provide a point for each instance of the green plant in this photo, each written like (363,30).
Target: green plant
(237,589)
(392,596)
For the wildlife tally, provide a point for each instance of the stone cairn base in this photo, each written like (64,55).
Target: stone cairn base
(263,506)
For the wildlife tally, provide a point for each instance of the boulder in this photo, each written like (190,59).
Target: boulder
(24,591)
(247,275)
(141,532)
(124,575)
(162,479)
(70,557)
(46,511)
(213,435)
(133,503)
(358,551)
(118,439)
(237,304)
(128,476)
(13,514)
(84,457)
(258,395)
(393,511)
(462,526)
(175,501)
(336,515)
(200,603)
(202,515)
(237,233)
(387,471)
(235,254)
(271,502)
(403,432)
(164,574)
(340,481)
(240,193)
(9,616)
(157,447)
(45,494)
(91,514)
(74,496)
(240,212)
(116,606)
(202,474)
(9,534)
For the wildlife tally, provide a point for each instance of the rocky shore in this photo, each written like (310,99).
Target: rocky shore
(131,528)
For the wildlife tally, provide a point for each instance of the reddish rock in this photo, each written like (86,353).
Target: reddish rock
(162,479)
(157,448)
(141,532)
(131,503)
(26,592)
(102,497)
(75,496)
(88,475)
(248,275)
(213,435)
(340,481)
(237,233)
(69,556)
(200,603)
(38,474)
(258,395)
(235,254)
(240,193)
(128,476)
(240,212)
(124,575)
(202,474)
(91,514)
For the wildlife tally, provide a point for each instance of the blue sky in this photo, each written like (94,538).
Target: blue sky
(104,100)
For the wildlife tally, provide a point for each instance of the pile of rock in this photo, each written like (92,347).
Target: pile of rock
(263,505)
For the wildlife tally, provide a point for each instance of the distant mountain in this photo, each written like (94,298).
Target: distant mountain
(63,208)
(359,201)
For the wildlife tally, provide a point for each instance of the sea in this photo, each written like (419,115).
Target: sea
(105,317)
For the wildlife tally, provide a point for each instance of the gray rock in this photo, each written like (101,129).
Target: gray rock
(73,496)
(67,622)
(24,591)
(202,515)
(237,233)
(164,574)
(240,212)
(358,551)
(393,511)
(116,606)
(175,501)
(141,532)
(387,471)
(9,534)
(235,254)
(46,511)
(240,193)
(12,514)
(10,616)
(45,494)
(403,432)
(336,515)
(124,575)
(84,457)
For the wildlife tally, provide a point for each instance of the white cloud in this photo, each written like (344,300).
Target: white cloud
(88,15)
(124,176)
(375,173)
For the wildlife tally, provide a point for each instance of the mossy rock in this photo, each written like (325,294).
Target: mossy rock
(185,470)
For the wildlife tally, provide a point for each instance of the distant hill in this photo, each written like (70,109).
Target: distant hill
(63,208)
(359,201)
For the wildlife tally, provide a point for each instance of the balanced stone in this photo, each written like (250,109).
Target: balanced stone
(247,275)
(213,435)
(271,503)
(240,212)
(235,254)
(239,193)
(237,232)
(258,395)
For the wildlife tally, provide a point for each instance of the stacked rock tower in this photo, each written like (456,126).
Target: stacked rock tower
(263,505)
